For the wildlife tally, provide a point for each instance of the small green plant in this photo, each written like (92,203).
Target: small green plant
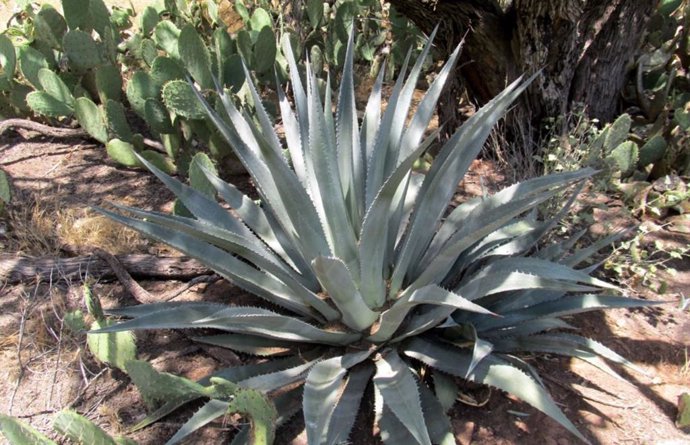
(368,277)
(639,262)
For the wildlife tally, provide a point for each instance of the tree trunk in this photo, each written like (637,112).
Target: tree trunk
(584,48)
(16,269)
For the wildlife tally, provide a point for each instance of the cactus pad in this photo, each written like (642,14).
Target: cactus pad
(617,133)
(652,151)
(180,99)
(30,62)
(166,34)
(159,160)
(195,56)
(265,51)
(44,104)
(164,69)
(117,121)
(109,83)
(122,152)
(8,58)
(52,84)
(50,27)
(141,87)
(158,117)
(625,157)
(81,50)
(91,119)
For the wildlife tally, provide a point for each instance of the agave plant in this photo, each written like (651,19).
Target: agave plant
(370,279)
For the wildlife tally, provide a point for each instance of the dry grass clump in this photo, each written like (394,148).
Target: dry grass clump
(39,227)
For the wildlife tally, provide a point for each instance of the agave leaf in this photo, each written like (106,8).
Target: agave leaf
(245,372)
(225,264)
(376,162)
(395,151)
(525,329)
(265,122)
(565,343)
(583,254)
(300,96)
(375,232)
(207,414)
(337,281)
(278,186)
(345,412)
(506,241)
(537,274)
(200,205)
(238,319)
(249,344)
(539,344)
(326,186)
(238,245)
(438,423)
(569,305)
(484,220)
(351,161)
(490,371)
(278,379)
(372,119)
(399,390)
(148,309)
(293,136)
(461,213)
(557,250)
(440,183)
(257,220)
(321,391)
(392,318)
(445,388)
(426,108)
(393,431)
(464,333)
(18,432)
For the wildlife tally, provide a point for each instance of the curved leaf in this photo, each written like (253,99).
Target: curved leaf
(398,388)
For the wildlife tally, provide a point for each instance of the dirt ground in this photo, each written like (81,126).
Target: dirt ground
(47,368)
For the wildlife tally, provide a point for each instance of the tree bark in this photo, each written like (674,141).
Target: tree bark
(583,47)
(16,269)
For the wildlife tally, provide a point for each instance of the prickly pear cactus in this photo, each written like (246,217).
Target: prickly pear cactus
(157,388)
(617,133)
(81,50)
(250,403)
(90,118)
(114,348)
(140,88)
(50,27)
(652,151)
(109,83)
(260,411)
(122,152)
(195,56)
(117,121)
(180,99)
(80,430)
(625,158)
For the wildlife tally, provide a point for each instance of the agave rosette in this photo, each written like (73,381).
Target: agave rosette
(368,275)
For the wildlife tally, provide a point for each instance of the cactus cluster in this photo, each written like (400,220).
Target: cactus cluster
(71,66)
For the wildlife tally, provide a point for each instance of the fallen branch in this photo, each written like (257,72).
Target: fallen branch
(58,132)
(20,269)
